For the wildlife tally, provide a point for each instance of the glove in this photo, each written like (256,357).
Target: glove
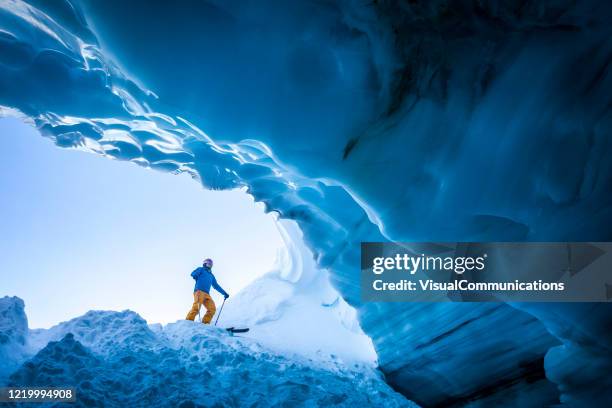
(226,296)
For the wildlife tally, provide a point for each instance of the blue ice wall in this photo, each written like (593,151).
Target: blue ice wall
(433,120)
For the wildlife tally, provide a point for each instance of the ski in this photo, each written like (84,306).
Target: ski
(233,330)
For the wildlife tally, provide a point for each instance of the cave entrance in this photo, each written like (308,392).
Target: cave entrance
(82,232)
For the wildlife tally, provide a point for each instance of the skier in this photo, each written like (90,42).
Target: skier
(201,292)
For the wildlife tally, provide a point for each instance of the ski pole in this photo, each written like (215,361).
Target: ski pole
(220,310)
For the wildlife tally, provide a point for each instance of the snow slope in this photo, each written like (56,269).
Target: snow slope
(294,308)
(116,359)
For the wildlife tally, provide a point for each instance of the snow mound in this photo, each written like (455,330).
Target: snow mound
(294,308)
(60,363)
(313,322)
(100,331)
(13,334)
(116,359)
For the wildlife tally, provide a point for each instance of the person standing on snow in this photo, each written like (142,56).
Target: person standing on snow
(204,279)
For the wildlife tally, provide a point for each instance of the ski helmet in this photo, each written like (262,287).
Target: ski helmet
(208,262)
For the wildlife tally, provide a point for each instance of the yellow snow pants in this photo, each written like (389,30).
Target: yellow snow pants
(202,298)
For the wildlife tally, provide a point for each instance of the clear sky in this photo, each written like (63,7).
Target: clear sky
(81,232)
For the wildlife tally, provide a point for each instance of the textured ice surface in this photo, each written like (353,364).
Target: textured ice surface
(116,359)
(361,121)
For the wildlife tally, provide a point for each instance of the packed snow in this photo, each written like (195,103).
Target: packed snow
(117,359)
(13,334)
(294,308)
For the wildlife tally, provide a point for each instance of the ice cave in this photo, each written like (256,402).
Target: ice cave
(354,121)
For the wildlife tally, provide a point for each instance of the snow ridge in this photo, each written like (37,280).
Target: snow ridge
(116,359)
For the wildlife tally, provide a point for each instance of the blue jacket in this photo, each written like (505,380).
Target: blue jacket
(204,279)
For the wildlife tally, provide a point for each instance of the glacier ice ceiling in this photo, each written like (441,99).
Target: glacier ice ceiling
(363,121)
